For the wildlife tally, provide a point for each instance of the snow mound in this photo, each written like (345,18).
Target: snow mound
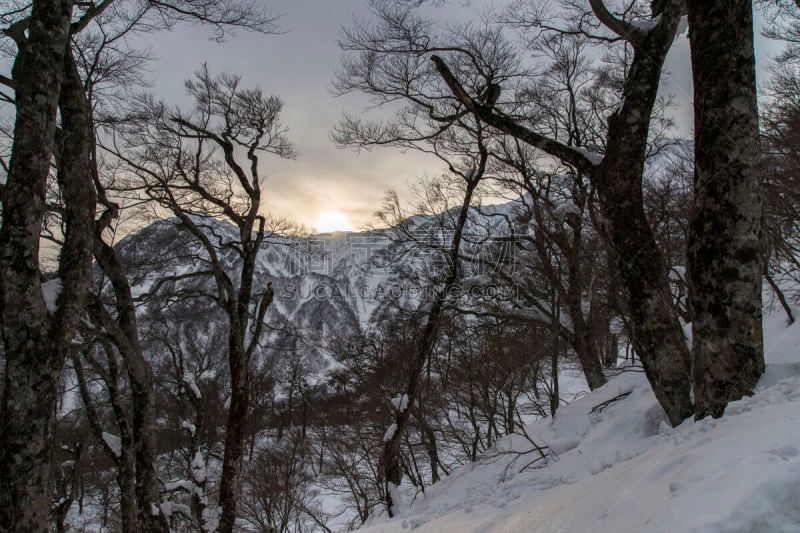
(615,465)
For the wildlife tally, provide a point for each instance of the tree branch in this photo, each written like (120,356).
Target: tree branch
(95,10)
(627,31)
(8,82)
(507,125)
(17,31)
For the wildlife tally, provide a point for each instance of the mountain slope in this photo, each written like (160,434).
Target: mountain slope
(624,469)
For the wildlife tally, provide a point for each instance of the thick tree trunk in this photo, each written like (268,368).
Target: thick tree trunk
(34,340)
(126,481)
(657,334)
(725,240)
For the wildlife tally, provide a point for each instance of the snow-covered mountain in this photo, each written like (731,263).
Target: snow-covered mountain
(324,285)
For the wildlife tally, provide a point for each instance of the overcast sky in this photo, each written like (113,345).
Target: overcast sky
(298,66)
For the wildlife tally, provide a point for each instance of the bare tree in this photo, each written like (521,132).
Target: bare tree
(783,24)
(617,177)
(441,284)
(558,250)
(781,131)
(468,65)
(190,164)
(35,345)
(277,497)
(117,439)
(35,335)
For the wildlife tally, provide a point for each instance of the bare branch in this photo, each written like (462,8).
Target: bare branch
(508,125)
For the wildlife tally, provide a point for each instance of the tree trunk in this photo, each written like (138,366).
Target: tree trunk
(126,480)
(725,238)
(584,346)
(123,331)
(239,362)
(392,459)
(34,340)
(76,164)
(657,334)
(234,434)
(582,340)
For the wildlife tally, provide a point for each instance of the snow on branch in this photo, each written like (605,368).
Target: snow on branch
(113,443)
(390,431)
(629,32)
(400,402)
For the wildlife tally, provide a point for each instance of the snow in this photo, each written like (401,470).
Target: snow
(390,432)
(188,426)
(622,468)
(199,467)
(182,484)
(687,334)
(398,504)
(50,292)
(678,273)
(210,519)
(114,443)
(646,25)
(683,27)
(189,382)
(593,157)
(400,403)
(567,208)
(169,508)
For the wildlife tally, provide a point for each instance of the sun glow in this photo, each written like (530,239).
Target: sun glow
(329,221)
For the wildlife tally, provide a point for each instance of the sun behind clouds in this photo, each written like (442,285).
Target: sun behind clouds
(329,221)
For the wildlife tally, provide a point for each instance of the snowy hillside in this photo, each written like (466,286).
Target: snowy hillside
(609,462)
(325,285)
(619,467)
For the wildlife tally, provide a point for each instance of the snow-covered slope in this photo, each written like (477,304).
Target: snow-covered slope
(326,286)
(621,468)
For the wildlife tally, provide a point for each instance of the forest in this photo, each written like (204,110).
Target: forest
(175,357)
